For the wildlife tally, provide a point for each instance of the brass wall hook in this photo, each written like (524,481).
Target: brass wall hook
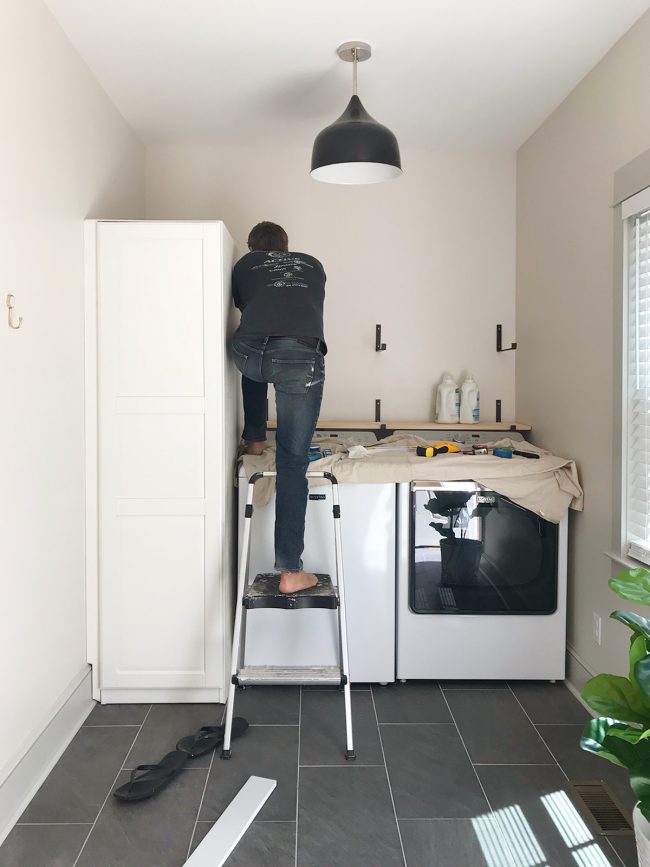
(10,306)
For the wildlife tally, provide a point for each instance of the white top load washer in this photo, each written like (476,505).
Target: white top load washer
(310,637)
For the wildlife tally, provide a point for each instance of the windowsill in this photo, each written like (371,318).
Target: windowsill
(628,562)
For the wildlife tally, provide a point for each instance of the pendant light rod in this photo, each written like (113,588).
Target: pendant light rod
(354,53)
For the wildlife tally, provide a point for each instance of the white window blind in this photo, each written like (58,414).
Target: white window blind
(637,516)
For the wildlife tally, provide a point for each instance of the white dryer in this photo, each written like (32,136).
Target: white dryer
(309,637)
(481,582)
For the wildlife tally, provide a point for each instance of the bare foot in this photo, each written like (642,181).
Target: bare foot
(292,582)
(255,448)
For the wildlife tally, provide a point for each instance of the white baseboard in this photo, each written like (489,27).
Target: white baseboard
(577,675)
(30,770)
(185,695)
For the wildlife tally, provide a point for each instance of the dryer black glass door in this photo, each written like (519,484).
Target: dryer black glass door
(474,551)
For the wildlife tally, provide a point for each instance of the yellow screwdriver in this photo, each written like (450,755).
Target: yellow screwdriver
(436,449)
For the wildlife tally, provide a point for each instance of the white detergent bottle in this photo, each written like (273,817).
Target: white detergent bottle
(469,401)
(447,401)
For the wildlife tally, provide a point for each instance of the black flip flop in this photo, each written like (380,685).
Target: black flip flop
(148,780)
(210,737)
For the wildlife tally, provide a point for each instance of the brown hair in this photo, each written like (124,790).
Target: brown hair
(268,236)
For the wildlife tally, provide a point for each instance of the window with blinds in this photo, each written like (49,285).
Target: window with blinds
(636,213)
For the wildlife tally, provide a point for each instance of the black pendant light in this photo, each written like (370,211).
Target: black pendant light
(355,149)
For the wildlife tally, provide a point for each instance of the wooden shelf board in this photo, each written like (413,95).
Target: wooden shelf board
(483,425)
(413,425)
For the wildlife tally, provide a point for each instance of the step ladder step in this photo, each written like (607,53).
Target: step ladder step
(273,675)
(263,593)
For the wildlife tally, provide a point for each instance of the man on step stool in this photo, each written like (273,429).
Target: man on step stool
(280,340)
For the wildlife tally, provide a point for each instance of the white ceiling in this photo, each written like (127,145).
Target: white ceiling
(444,73)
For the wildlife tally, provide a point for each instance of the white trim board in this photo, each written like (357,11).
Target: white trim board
(577,674)
(164,695)
(91,457)
(26,777)
(232,824)
(636,203)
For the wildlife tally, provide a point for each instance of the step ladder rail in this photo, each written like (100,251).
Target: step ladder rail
(239,628)
(343,626)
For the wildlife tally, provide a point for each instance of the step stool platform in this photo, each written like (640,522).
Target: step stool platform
(276,675)
(264,593)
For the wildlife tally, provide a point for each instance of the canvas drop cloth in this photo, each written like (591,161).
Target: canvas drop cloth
(547,486)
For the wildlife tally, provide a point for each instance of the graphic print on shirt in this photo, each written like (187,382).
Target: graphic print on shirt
(278,263)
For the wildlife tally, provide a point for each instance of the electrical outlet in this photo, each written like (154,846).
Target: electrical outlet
(597,628)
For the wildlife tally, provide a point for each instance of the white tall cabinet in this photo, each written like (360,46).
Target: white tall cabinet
(161,422)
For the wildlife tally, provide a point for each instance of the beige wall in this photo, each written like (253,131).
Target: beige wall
(430,256)
(567,304)
(65,154)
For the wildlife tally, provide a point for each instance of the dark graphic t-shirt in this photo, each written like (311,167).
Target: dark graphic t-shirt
(279,295)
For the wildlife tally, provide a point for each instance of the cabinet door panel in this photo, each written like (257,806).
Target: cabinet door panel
(160,455)
(159,323)
(161,617)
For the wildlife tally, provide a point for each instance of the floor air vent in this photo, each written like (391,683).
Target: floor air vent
(600,808)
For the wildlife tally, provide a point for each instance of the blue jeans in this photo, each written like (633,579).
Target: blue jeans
(298,373)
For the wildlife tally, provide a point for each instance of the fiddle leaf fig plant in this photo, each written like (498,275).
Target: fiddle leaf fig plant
(622,734)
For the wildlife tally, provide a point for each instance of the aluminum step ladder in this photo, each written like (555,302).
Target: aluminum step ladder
(263,592)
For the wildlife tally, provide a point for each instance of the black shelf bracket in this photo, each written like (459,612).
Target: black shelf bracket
(500,347)
(498,411)
(378,410)
(379,346)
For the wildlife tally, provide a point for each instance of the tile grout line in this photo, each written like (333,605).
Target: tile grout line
(416,724)
(198,812)
(205,786)
(614,852)
(478,779)
(390,788)
(49,824)
(295,849)
(341,765)
(515,764)
(83,846)
(332,689)
(539,734)
(257,822)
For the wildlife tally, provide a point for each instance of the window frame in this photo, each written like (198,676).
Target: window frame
(630,208)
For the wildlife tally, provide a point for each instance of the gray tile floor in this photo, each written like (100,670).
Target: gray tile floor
(453,774)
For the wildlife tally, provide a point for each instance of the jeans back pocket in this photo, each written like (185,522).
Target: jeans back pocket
(292,375)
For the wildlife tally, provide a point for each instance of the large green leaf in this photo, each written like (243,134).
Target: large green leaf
(619,698)
(638,624)
(642,673)
(629,734)
(633,585)
(638,651)
(607,738)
